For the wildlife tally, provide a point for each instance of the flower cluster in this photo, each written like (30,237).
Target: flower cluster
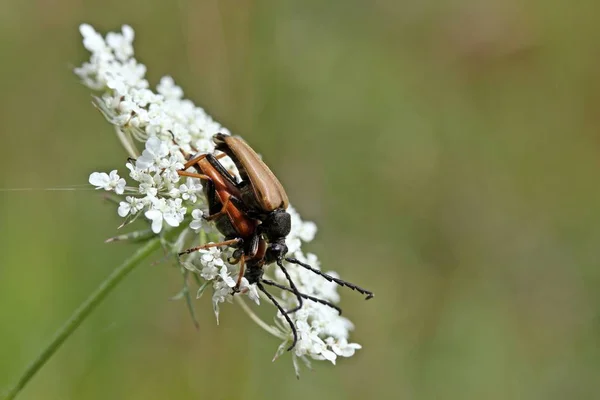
(171,128)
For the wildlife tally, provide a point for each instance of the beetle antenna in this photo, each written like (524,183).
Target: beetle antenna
(283,312)
(305,296)
(330,278)
(292,286)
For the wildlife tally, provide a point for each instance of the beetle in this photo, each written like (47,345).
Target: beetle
(263,197)
(251,214)
(261,194)
(240,232)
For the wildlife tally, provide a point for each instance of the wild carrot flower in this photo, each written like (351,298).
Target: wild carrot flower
(165,126)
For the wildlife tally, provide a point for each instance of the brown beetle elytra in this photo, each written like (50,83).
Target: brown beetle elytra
(262,195)
(267,192)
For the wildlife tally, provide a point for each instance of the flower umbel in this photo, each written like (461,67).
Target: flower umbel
(168,128)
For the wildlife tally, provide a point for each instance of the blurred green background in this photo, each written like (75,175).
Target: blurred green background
(448,151)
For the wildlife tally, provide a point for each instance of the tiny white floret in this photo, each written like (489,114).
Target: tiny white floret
(109,182)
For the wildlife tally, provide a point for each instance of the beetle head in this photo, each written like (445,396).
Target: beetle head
(219,139)
(276,251)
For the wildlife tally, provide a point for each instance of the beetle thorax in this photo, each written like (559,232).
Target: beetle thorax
(276,225)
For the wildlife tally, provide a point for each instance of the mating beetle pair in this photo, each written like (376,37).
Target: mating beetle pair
(251,214)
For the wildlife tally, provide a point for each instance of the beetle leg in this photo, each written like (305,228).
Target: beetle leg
(214,161)
(250,252)
(240,205)
(304,296)
(231,242)
(241,274)
(213,200)
(330,278)
(193,161)
(193,175)
(218,214)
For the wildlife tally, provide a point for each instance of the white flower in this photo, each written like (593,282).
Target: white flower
(171,165)
(175,213)
(108,182)
(157,219)
(154,154)
(92,40)
(124,209)
(121,44)
(169,89)
(222,292)
(209,272)
(198,221)
(212,262)
(190,189)
(309,343)
(307,231)
(341,347)
(302,231)
(169,210)
(132,205)
(225,277)
(250,290)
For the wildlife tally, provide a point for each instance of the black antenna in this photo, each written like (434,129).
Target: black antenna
(330,278)
(287,317)
(293,287)
(306,296)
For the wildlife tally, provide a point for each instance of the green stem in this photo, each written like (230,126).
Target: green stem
(81,314)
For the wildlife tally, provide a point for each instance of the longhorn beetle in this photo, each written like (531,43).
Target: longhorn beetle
(240,232)
(263,198)
(252,216)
